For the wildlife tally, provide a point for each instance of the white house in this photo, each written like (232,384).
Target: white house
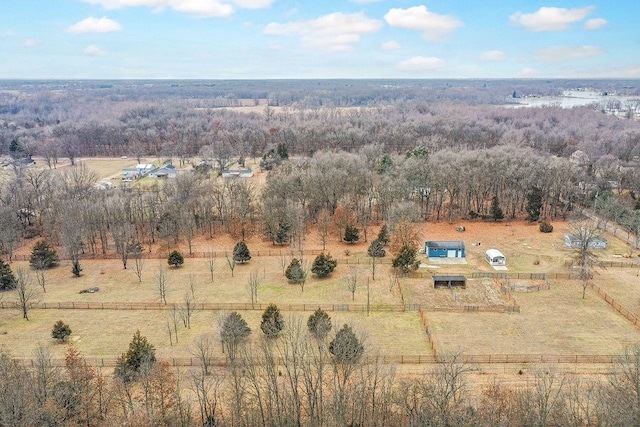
(143,169)
(595,242)
(495,257)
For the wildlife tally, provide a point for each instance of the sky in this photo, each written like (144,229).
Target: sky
(288,39)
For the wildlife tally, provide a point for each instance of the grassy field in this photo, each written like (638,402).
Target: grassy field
(105,333)
(555,321)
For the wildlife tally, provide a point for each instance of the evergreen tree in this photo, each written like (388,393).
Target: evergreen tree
(60,331)
(7,278)
(43,256)
(294,271)
(175,259)
(351,234)
(75,268)
(241,252)
(405,260)
(496,210)
(140,352)
(319,324)
(383,164)
(376,250)
(233,331)
(346,348)
(383,236)
(534,204)
(323,265)
(272,322)
(282,151)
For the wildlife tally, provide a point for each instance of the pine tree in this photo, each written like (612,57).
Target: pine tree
(294,271)
(241,252)
(351,234)
(405,260)
(43,256)
(319,324)
(175,259)
(346,348)
(140,352)
(383,235)
(272,322)
(534,204)
(60,331)
(7,278)
(233,331)
(496,210)
(323,265)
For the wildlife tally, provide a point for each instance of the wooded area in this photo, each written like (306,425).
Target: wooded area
(342,156)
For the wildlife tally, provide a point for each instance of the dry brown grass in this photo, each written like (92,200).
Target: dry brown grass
(557,321)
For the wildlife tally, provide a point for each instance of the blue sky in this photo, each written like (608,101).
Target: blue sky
(266,39)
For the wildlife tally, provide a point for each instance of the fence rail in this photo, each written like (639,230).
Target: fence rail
(613,264)
(616,306)
(415,359)
(84,305)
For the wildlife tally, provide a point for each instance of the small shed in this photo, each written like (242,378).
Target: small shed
(595,242)
(495,257)
(449,281)
(444,249)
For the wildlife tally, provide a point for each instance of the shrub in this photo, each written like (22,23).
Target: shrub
(545,227)
(60,331)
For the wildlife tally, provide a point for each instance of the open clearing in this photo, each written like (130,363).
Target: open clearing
(553,322)
(104,333)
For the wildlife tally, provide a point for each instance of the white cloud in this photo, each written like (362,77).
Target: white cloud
(595,24)
(30,43)
(390,45)
(93,50)
(550,18)
(421,63)
(204,8)
(528,72)
(253,4)
(334,32)
(95,25)
(434,27)
(493,55)
(567,53)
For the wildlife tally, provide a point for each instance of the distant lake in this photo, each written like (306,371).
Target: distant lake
(574,98)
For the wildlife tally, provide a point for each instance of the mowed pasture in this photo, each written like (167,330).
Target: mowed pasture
(553,322)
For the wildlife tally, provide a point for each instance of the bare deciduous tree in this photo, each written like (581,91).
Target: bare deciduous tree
(25,293)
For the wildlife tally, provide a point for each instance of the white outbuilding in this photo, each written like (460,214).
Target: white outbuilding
(495,257)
